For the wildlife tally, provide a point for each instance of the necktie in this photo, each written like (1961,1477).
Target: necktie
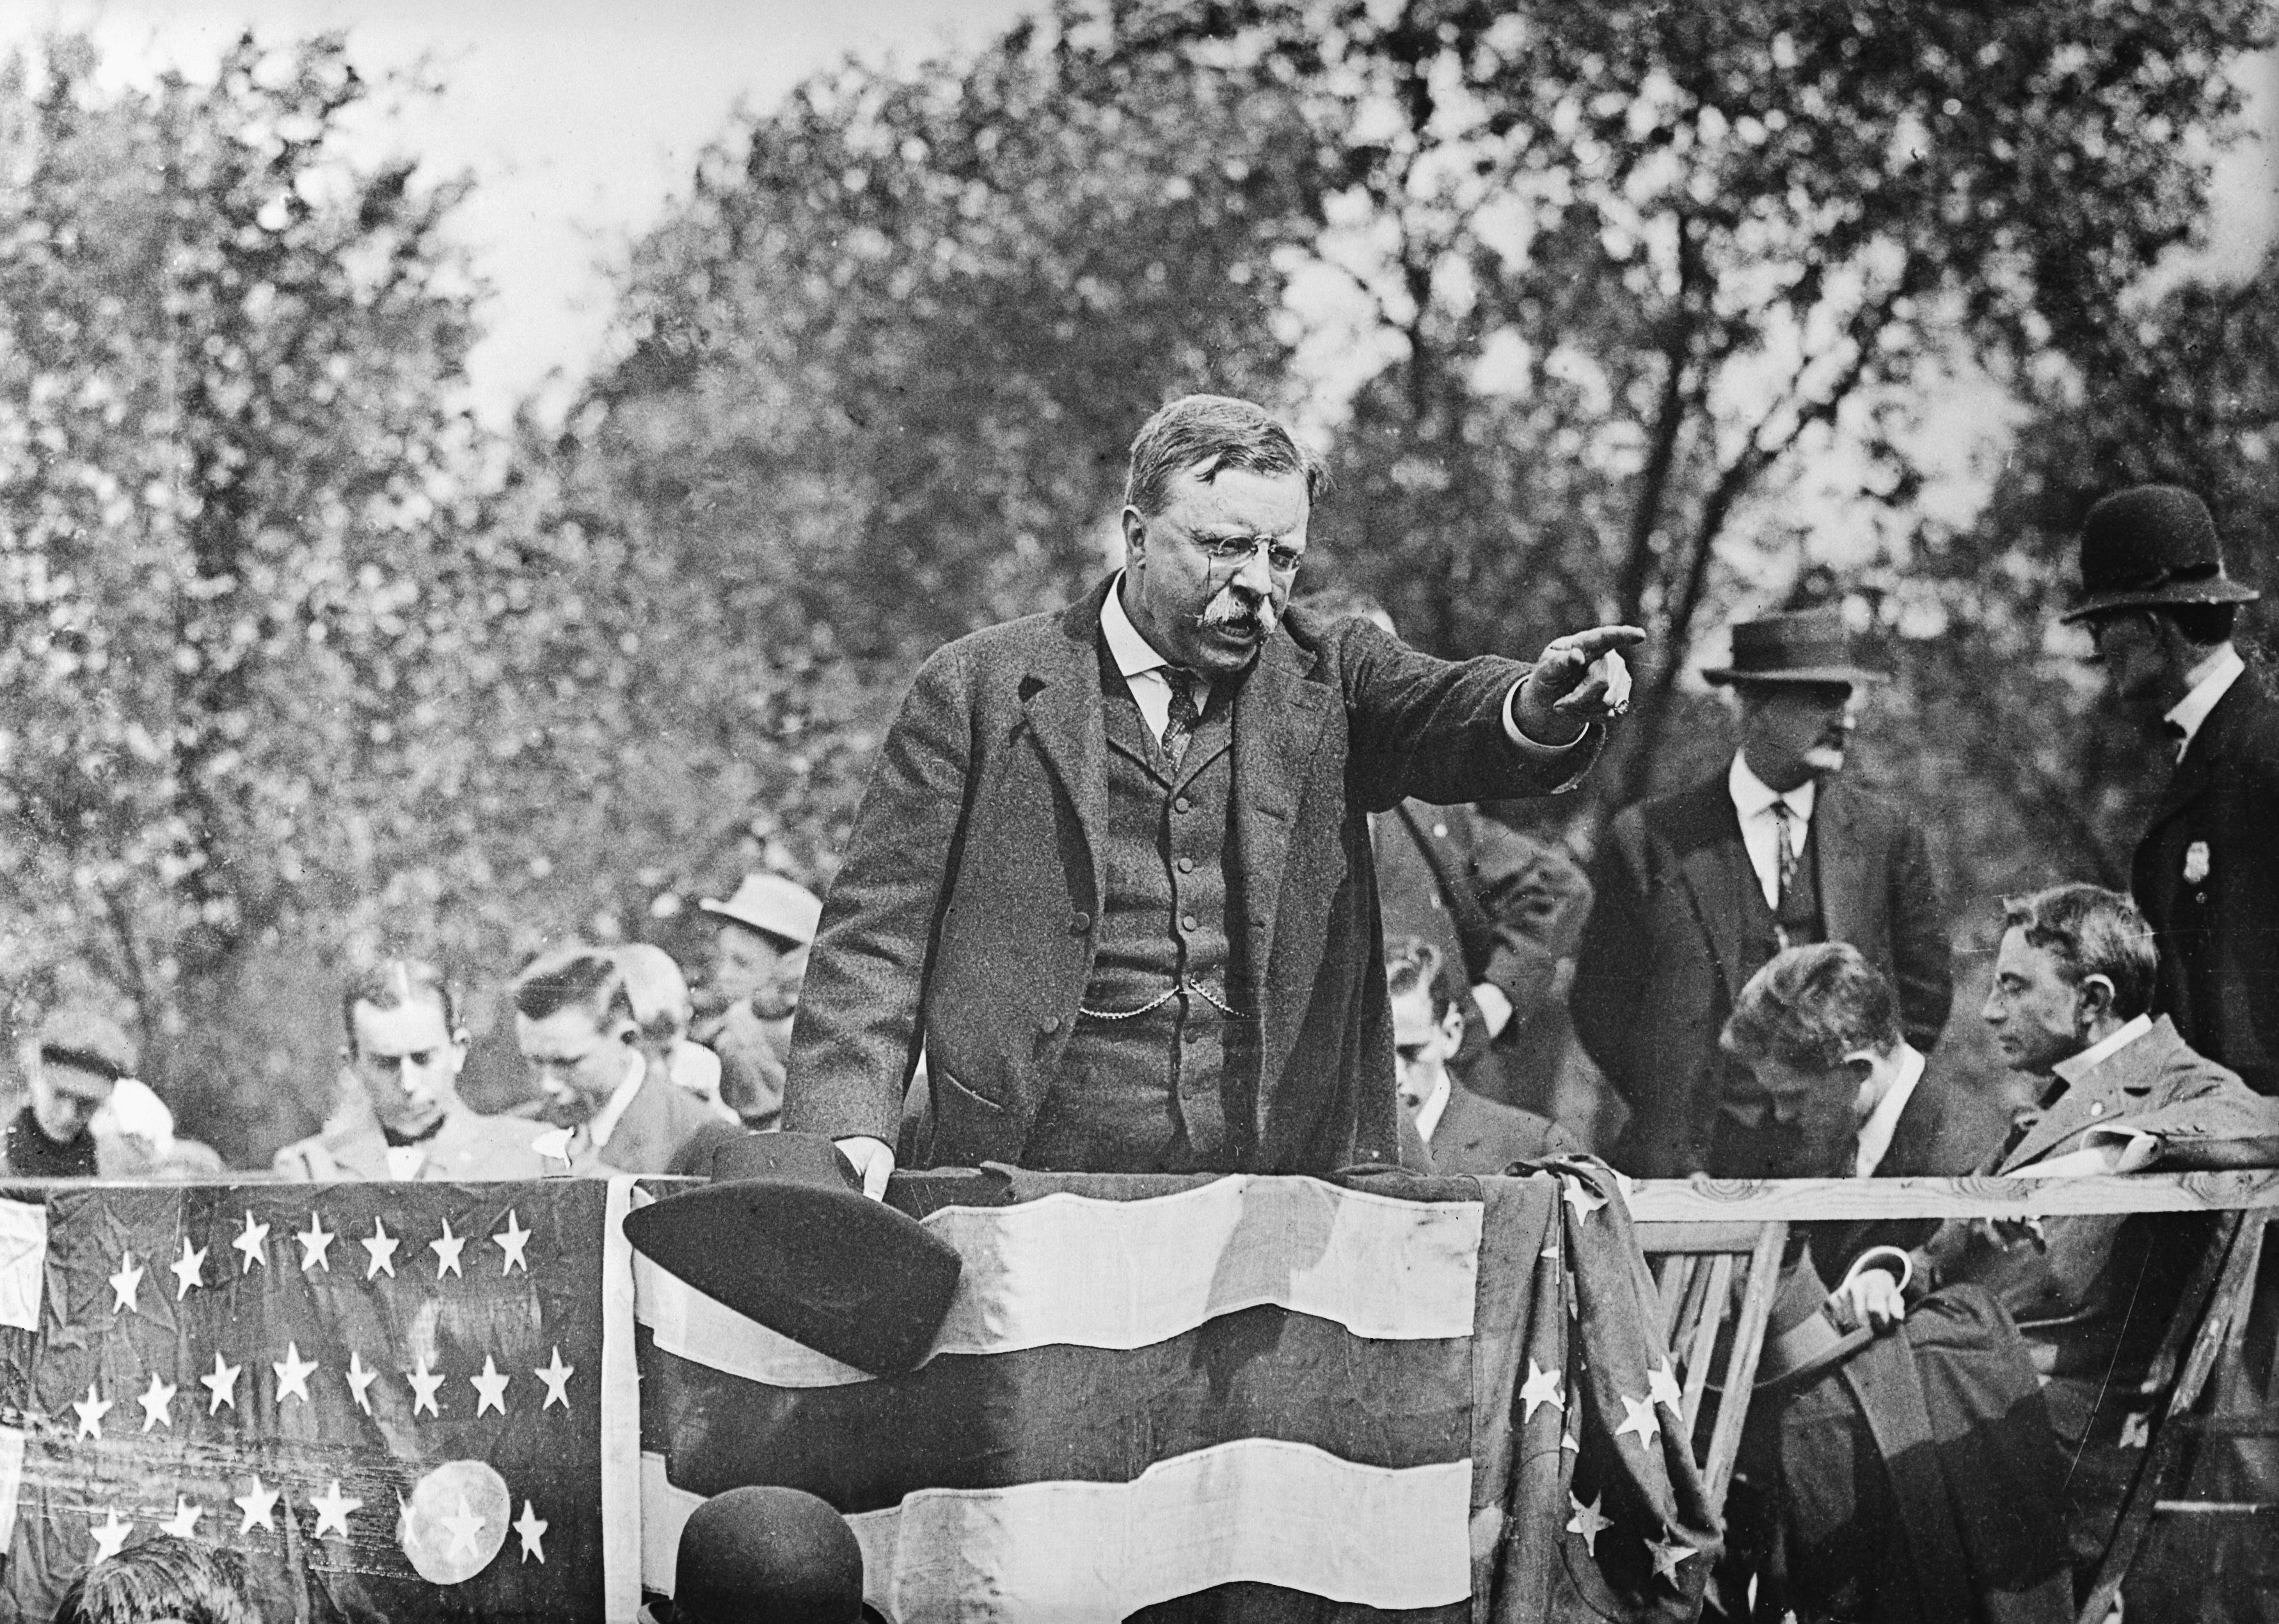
(1185,715)
(2177,741)
(1784,847)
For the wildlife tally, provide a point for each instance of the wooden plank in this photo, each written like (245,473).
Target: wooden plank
(1736,1236)
(1704,1336)
(1741,1364)
(2165,1460)
(1702,1200)
(1674,1275)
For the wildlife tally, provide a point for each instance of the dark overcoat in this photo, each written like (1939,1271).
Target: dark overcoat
(1666,950)
(2206,876)
(961,920)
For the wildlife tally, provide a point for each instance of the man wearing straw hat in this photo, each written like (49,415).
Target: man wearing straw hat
(1696,891)
(758,960)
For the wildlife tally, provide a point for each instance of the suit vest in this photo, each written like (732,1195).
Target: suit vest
(1799,921)
(1159,1073)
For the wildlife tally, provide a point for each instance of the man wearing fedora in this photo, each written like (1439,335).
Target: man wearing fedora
(1696,891)
(2160,609)
(1113,874)
(759,957)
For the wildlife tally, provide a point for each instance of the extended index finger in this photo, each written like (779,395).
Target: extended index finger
(1601,640)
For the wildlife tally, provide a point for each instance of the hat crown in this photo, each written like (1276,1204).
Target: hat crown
(1804,645)
(773,903)
(766,1553)
(78,1035)
(2147,537)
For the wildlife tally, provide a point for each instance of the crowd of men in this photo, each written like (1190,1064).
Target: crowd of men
(1189,876)
(625,1075)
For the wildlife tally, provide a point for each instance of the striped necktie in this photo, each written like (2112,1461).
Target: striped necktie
(1179,726)
(1785,822)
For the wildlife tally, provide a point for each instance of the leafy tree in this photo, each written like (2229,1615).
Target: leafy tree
(1641,260)
(228,484)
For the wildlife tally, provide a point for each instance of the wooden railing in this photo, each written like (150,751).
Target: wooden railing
(1702,1236)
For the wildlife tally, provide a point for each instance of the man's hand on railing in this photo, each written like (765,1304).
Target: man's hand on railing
(1874,1292)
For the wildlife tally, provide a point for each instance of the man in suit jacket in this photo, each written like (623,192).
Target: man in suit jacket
(1461,1132)
(1113,872)
(1836,1091)
(399,1114)
(2071,1004)
(1696,891)
(2160,609)
(609,1109)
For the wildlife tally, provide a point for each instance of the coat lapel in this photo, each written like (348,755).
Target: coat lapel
(1060,692)
(1843,867)
(2119,1086)
(1705,835)
(1279,719)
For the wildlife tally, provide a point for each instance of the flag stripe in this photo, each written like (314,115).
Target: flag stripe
(1258,1510)
(621,1403)
(1103,1273)
(966,1422)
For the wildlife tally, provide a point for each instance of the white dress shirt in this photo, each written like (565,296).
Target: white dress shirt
(1882,1121)
(2211,680)
(605,1122)
(1146,674)
(1428,1113)
(1754,803)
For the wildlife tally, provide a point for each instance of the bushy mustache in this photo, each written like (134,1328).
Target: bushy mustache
(1228,609)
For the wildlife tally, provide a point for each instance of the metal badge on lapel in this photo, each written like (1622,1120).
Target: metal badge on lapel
(2196,863)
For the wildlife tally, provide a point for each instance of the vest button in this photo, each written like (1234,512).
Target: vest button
(1187,921)
(1049,1025)
(2097,1108)
(1186,865)
(1080,923)
(1183,805)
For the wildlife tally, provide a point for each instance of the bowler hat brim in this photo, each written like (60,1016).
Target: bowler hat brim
(2177,594)
(1722,676)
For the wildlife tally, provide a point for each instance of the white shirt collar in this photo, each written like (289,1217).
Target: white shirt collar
(2211,679)
(1133,654)
(1435,1105)
(605,1122)
(2072,1068)
(1882,1121)
(1754,798)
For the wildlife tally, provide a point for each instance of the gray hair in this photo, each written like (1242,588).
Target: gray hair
(1211,433)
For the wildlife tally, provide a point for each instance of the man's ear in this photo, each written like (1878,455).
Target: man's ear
(1135,537)
(2093,997)
(1452,1025)
(456,1048)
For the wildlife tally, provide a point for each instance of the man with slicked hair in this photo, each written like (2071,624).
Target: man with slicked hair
(398,1114)
(1112,876)
(609,1109)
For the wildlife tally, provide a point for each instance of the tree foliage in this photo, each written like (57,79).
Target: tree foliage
(227,480)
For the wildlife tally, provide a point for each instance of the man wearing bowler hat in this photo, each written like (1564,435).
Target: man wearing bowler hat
(758,960)
(2160,609)
(1696,891)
